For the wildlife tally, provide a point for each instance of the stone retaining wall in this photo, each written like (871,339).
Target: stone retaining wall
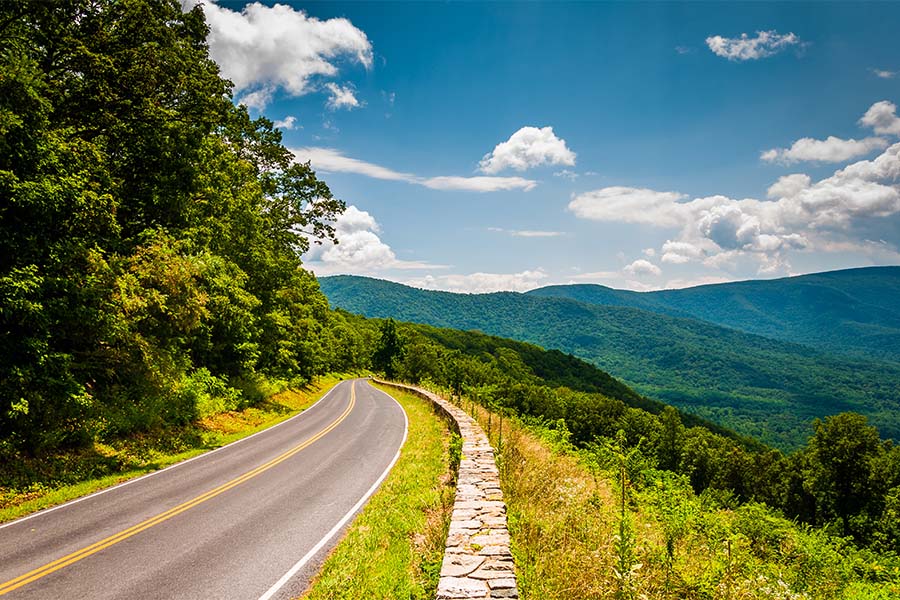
(477,560)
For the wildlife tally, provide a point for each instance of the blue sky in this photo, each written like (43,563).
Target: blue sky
(642,146)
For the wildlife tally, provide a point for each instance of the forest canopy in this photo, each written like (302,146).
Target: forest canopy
(150,230)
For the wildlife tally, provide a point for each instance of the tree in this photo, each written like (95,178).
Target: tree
(388,350)
(841,453)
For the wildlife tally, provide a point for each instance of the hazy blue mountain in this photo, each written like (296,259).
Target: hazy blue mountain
(761,387)
(853,312)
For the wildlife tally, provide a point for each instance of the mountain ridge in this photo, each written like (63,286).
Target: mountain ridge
(759,386)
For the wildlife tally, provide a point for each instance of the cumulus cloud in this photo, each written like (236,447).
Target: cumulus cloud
(286,123)
(359,250)
(264,49)
(789,186)
(766,43)
(482,283)
(528,147)
(719,231)
(334,161)
(341,96)
(629,205)
(642,268)
(831,149)
(882,117)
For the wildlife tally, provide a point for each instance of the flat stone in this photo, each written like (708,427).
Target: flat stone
(453,588)
(457,565)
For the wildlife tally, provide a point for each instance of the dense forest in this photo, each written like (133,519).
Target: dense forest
(150,273)
(150,230)
(758,386)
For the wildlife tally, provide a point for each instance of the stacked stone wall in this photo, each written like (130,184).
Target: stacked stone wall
(477,560)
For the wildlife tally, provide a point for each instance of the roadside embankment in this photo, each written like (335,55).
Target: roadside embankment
(477,559)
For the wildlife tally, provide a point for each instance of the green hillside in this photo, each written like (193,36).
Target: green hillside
(853,312)
(763,388)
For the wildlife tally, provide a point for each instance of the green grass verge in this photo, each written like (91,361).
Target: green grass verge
(394,548)
(30,485)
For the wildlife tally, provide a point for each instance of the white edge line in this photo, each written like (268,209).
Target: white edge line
(350,514)
(178,464)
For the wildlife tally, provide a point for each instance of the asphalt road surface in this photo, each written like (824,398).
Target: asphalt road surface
(254,519)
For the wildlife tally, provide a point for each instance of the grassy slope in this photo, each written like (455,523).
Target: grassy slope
(759,387)
(854,311)
(564,517)
(30,485)
(395,546)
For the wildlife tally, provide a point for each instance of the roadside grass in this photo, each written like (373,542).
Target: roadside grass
(395,546)
(29,485)
(572,536)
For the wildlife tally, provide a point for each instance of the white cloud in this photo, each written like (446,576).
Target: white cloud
(528,147)
(629,205)
(331,160)
(789,186)
(286,123)
(482,283)
(567,174)
(882,117)
(649,252)
(478,184)
(883,73)
(832,149)
(262,49)
(527,233)
(802,215)
(341,96)
(642,268)
(359,250)
(766,43)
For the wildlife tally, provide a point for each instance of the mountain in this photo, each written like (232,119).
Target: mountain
(854,312)
(760,387)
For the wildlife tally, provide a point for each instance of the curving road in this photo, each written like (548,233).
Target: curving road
(254,519)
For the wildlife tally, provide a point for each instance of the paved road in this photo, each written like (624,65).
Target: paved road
(251,520)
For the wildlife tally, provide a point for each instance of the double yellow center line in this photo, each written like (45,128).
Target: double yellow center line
(76,556)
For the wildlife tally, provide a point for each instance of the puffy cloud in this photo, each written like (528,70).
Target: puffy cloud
(286,123)
(528,147)
(831,149)
(882,117)
(883,74)
(359,249)
(766,43)
(262,49)
(331,160)
(630,205)
(721,232)
(642,268)
(341,96)
(482,283)
(789,186)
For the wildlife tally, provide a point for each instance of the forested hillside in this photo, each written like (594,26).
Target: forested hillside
(844,477)
(150,231)
(853,312)
(760,387)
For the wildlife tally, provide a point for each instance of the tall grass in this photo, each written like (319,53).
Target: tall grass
(602,523)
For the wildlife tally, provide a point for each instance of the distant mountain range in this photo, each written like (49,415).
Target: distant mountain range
(851,312)
(765,387)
